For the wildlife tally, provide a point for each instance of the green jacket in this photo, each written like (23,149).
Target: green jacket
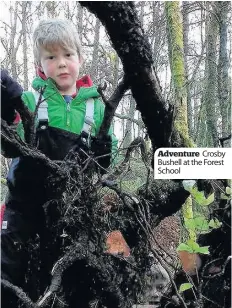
(69,119)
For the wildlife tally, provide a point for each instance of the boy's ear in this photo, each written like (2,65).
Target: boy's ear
(40,69)
(81,60)
(40,72)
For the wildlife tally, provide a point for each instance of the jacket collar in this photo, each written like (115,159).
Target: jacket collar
(86,88)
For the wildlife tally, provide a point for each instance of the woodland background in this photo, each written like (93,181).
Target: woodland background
(191,52)
(202,33)
(194,60)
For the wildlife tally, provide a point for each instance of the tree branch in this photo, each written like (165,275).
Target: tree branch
(136,55)
(125,117)
(111,106)
(21,295)
(13,146)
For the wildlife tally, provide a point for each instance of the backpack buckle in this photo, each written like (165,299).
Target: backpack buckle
(86,139)
(43,124)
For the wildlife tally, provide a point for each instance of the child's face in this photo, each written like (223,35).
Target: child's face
(62,66)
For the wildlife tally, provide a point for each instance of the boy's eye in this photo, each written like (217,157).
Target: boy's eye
(51,57)
(68,54)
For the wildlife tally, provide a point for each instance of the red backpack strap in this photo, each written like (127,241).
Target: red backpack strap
(17,118)
(3,207)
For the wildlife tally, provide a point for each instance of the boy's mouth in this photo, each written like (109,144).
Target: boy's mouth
(63,75)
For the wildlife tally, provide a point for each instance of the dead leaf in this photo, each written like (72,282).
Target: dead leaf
(116,244)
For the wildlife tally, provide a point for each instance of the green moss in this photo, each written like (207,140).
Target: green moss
(176,44)
(176,57)
(184,135)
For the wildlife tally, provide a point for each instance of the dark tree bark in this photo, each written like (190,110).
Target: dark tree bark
(132,46)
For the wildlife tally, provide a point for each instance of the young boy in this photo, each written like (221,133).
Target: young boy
(70,114)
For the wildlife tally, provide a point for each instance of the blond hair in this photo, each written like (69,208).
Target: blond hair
(55,32)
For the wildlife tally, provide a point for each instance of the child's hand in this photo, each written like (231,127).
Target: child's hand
(102,147)
(11,91)
(10,88)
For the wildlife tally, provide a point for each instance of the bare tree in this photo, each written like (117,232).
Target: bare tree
(185,15)
(25,11)
(222,9)
(94,64)
(211,97)
(176,58)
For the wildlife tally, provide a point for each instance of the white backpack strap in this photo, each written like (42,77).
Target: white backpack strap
(42,114)
(89,116)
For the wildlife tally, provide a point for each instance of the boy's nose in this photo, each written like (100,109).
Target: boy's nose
(62,63)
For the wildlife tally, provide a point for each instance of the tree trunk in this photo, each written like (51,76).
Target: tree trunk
(115,72)
(128,132)
(151,105)
(185,15)
(94,64)
(223,68)
(177,65)
(80,21)
(13,47)
(211,97)
(25,6)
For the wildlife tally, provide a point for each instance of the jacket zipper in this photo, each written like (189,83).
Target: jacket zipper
(68,109)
